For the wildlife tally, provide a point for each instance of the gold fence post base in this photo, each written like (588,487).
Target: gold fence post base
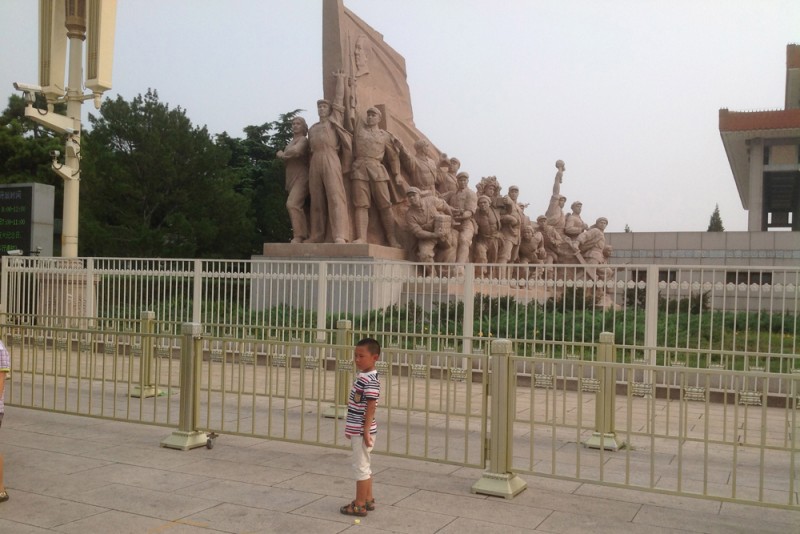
(499,485)
(185,440)
(608,442)
(145,392)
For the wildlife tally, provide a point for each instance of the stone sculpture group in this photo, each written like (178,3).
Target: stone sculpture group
(348,170)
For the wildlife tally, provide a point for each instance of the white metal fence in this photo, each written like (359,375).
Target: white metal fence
(710,309)
(705,368)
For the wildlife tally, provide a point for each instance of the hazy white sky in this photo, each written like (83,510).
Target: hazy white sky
(627,92)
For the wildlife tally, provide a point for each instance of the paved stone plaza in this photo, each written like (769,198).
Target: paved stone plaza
(78,474)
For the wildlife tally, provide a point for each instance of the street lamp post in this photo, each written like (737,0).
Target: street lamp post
(76,17)
(76,33)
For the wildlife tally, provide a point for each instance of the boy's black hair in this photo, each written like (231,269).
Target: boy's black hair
(372,345)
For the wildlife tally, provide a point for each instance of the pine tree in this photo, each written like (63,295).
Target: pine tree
(715,223)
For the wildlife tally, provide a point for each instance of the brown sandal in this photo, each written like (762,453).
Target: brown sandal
(353,509)
(370,505)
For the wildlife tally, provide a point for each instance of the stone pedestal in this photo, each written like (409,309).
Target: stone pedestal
(506,485)
(353,277)
(184,440)
(330,251)
(607,441)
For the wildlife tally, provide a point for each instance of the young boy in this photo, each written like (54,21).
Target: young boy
(5,369)
(360,426)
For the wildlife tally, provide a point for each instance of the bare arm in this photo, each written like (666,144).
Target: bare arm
(369,416)
(338,98)
(5,367)
(557,183)
(559,176)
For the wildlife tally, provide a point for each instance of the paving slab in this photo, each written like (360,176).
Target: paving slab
(74,474)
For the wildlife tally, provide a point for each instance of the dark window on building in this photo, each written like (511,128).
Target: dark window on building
(766,155)
(781,200)
(748,277)
(667,275)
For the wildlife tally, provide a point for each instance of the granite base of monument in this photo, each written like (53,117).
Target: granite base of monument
(358,278)
(348,277)
(331,251)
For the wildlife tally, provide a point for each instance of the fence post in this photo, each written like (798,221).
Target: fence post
(187,436)
(604,436)
(795,418)
(498,480)
(469,311)
(650,321)
(344,369)
(197,291)
(4,266)
(322,302)
(146,388)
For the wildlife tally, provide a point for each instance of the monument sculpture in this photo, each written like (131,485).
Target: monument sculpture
(447,180)
(421,167)
(428,221)
(573,224)
(463,205)
(371,184)
(555,210)
(551,240)
(531,250)
(374,179)
(592,243)
(487,239)
(511,225)
(295,157)
(331,148)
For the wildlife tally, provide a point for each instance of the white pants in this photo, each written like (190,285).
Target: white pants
(361,457)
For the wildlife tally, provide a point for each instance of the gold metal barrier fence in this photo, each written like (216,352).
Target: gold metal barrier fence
(433,406)
(713,433)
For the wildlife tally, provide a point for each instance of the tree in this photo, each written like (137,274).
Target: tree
(154,185)
(627,229)
(25,147)
(715,223)
(261,175)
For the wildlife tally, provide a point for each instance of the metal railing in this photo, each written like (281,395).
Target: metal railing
(702,372)
(670,307)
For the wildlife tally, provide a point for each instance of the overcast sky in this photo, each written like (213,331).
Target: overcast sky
(627,92)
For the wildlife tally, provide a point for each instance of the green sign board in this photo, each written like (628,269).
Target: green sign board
(16,217)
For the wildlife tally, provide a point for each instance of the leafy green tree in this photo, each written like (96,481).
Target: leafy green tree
(261,175)
(715,223)
(25,147)
(154,185)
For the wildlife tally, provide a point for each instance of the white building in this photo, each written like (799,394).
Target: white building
(763,149)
